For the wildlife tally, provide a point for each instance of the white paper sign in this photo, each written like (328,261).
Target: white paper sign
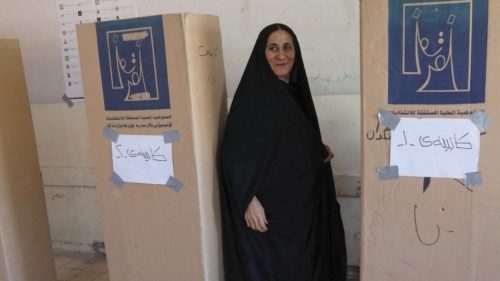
(73,12)
(142,159)
(435,147)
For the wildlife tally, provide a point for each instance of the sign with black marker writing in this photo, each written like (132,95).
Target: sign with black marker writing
(435,147)
(142,159)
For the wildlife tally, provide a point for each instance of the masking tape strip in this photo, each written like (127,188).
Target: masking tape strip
(174,184)
(481,120)
(388,119)
(427,183)
(116,180)
(68,101)
(110,134)
(171,136)
(473,179)
(388,173)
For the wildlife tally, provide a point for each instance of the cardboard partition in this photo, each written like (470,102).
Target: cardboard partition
(25,246)
(445,232)
(156,103)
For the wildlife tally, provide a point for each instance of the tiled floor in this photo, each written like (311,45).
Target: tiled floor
(80,267)
(83,267)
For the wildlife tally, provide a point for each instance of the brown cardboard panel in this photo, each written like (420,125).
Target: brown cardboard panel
(3,264)
(394,231)
(209,102)
(150,231)
(24,231)
(486,234)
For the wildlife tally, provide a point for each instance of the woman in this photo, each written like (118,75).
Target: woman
(280,217)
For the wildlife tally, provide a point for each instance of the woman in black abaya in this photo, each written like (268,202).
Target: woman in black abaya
(280,217)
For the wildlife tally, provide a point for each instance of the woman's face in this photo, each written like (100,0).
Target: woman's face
(280,54)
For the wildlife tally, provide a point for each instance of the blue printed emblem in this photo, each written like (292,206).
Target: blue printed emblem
(437,51)
(133,64)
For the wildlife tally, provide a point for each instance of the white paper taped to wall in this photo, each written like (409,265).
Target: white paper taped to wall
(435,147)
(73,12)
(143,159)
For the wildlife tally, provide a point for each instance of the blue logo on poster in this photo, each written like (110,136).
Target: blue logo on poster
(437,51)
(133,64)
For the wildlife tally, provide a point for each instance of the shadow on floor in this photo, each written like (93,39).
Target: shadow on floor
(89,267)
(80,267)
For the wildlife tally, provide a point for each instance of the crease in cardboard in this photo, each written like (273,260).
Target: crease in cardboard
(388,119)
(188,21)
(184,18)
(110,134)
(3,265)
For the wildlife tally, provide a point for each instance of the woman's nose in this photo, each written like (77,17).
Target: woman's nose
(281,54)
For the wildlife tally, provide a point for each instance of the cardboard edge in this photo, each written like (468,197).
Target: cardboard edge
(207,257)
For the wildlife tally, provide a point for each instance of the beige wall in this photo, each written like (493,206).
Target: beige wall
(328,33)
(61,132)
(66,165)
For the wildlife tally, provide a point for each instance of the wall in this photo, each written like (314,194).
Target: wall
(329,38)
(66,164)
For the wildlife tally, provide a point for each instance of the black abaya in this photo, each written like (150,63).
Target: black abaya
(272,149)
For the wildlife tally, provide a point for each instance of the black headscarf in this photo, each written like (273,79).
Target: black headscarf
(272,149)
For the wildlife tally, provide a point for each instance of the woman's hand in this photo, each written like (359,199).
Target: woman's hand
(255,216)
(330,154)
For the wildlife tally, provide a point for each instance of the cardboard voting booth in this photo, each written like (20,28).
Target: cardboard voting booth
(156,102)
(25,246)
(430,119)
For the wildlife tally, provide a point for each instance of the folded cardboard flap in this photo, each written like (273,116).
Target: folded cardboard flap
(25,246)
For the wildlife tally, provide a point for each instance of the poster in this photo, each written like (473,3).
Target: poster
(435,147)
(133,64)
(437,51)
(73,12)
